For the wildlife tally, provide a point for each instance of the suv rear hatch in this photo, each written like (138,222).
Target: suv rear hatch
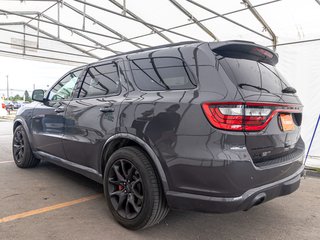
(270,114)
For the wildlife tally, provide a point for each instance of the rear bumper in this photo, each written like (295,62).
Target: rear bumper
(252,197)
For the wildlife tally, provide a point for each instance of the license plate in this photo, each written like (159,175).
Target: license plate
(287,122)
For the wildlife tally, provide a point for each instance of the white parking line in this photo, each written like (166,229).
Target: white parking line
(6,161)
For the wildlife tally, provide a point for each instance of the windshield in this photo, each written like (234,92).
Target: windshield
(254,76)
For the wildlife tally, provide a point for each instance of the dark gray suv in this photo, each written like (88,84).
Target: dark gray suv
(200,126)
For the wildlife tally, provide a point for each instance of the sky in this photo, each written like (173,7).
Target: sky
(24,74)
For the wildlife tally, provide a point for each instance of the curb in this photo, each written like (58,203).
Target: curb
(311,172)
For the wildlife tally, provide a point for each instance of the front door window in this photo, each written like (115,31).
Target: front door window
(63,89)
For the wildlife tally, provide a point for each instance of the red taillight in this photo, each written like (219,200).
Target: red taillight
(263,52)
(223,121)
(3,105)
(239,116)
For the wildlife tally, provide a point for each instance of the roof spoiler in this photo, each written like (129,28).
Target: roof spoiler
(245,50)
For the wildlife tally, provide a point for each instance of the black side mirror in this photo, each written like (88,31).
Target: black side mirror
(38,95)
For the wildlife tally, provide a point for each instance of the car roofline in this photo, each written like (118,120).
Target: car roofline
(151,48)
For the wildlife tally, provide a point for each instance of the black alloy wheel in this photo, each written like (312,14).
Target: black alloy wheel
(22,153)
(133,189)
(125,189)
(18,146)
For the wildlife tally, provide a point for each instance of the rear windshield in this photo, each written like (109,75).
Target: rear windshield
(254,76)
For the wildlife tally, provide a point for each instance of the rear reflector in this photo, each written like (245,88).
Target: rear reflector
(3,105)
(239,116)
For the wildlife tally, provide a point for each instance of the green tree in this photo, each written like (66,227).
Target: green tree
(27,96)
(16,98)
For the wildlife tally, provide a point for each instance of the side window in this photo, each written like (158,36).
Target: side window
(64,88)
(165,73)
(101,80)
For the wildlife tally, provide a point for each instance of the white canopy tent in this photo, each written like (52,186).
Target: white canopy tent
(81,31)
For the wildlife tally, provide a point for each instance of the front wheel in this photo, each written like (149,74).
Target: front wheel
(22,153)
(133,190)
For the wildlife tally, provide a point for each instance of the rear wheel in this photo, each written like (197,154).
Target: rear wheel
(133,190)
(22,153)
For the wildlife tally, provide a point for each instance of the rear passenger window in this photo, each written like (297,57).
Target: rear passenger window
(165,73)
(101,80)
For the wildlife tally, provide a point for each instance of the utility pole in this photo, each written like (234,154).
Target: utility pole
(7,87)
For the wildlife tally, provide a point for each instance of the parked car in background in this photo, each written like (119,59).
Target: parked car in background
(16,105)
(9,105)
(211,127)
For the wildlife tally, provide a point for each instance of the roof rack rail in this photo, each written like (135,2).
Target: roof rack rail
(151,48)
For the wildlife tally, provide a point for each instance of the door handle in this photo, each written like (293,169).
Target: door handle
(59,110)
(106,109)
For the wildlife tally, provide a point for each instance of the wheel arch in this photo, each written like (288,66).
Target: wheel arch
(22,122)
(124,139)
(16,123)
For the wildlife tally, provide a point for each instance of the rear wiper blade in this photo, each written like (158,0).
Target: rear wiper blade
(289,90)
(253,86)
(259,88)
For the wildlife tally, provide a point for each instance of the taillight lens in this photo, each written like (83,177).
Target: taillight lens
(238,116)
(3,105)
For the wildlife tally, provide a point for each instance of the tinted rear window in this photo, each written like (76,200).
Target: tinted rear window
(254,76)
(165,73)
(101,80)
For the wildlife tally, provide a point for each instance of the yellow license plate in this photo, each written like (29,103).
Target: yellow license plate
(287,122)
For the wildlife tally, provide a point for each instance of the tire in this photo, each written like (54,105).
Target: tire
(22,153)
(137,200)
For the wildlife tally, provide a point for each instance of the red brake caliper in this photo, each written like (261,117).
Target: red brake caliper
(120,187)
